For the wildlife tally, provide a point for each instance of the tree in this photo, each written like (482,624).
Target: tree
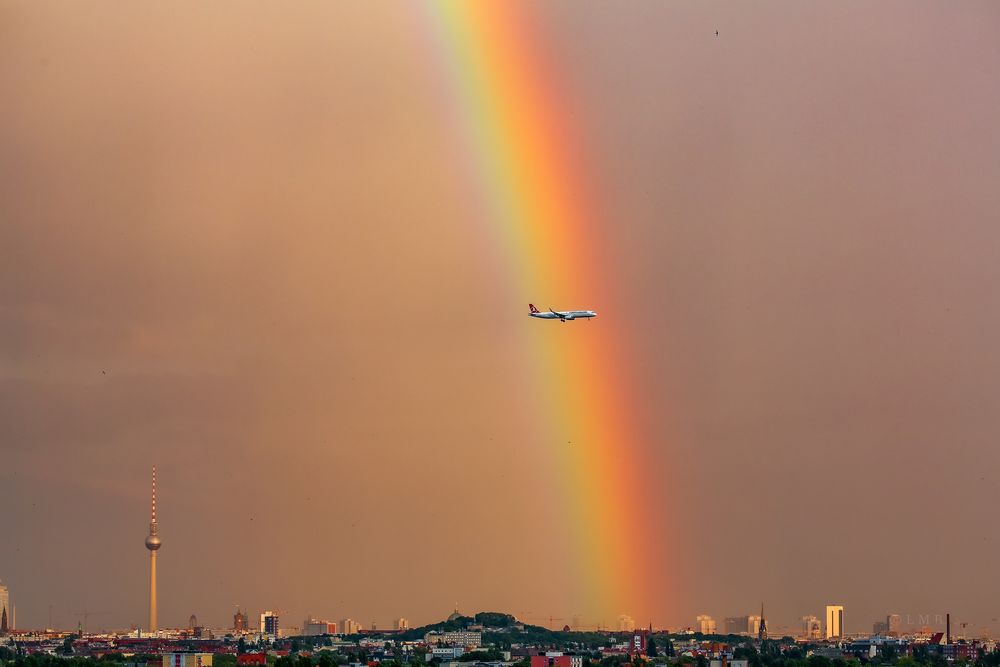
(67,646)
(651,648)
(818,661)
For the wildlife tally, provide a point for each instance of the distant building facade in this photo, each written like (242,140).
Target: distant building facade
(187,660)
(463,638)
(401,624)
(705,624)
(6,612)
(556,659)
(625,623)
(313,627)
(894,625)
(239,622)
(639,642)
(348,626)
(834,621)
(812,628)
(447,652)
(270,623)
(737,625)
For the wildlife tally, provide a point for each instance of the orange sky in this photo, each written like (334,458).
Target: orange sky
(234,242)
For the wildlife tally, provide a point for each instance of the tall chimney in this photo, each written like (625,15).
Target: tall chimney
(947,628)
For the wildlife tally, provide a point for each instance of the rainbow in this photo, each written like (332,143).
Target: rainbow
(530,171)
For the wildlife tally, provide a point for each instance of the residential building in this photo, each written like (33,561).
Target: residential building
(753,625)
(464,638)
(705,624)
(349,626)
(401,624)
(269,623)
(187,660)
(556,659)
(894,623)
(447,652)
(625,623)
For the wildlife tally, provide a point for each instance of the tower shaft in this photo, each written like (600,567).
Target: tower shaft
(152,591)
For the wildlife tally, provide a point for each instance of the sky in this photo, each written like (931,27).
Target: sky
(235,242)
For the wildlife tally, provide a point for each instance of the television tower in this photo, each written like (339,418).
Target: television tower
(152,543)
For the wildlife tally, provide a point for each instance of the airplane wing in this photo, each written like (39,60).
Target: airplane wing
(557,312)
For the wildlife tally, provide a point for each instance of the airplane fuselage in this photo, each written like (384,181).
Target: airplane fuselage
(562,315)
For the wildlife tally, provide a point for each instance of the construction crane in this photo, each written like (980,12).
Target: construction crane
(550,619)
(85,615)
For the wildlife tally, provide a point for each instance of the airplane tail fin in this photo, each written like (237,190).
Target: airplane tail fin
(531,308)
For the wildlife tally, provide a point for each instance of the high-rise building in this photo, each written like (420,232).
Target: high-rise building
(639,643)
(626,623)
(349,626)
(894,625)
(834,621)
(269,623)
(192,622)
(312,627)
(706,624)
(239,622)
(153,543)
(880,628)
(6,613)
(737,625)
(812,628)
(401,624)
(753,625)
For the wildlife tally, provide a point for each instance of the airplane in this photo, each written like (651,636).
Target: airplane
(563,316)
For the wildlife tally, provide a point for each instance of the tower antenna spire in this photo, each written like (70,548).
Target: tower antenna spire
(152,513)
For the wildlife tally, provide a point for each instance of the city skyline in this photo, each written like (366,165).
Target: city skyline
(286,257)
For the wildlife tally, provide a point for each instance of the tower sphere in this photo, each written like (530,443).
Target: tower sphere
(153,542)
